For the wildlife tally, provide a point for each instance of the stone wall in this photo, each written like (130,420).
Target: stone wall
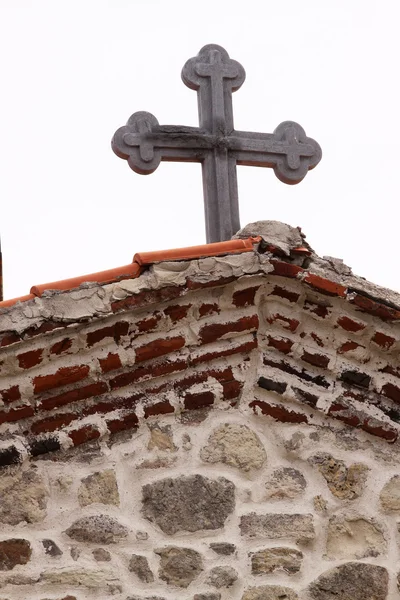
(212,504)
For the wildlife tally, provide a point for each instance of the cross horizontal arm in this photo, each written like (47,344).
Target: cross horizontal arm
(144,143)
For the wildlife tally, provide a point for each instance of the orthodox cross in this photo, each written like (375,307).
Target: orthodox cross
(215,143)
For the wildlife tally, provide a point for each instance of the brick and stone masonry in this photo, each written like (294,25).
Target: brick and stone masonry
(218,428)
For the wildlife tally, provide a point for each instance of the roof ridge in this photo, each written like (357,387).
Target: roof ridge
(134,269)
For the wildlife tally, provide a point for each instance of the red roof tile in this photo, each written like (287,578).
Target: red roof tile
(134,269)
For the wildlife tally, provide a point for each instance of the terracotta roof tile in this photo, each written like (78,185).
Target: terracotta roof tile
(216,249)
(134,269)
(12,301)
(126,272)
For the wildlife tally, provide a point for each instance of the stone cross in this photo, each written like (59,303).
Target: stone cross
(215,143)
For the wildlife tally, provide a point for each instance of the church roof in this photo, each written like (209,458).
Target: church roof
(185,329)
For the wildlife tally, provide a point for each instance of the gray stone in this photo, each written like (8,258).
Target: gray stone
(320,504)
(100,487)
(179,566)
(223,548)
(269,592)
(145,598)
(23,496)
(14,552)
(101,555)
(351,581)
(282,236)
(161,438)
(222,577)
(97,529)
(346,483)
(188,503)
(208,596)
(276,559)
(285,482)
(234,445)
(160,462)
(51,548)
(390,494)
(276,526)
(91,579)
(354,537)
(75,553)
(139,565)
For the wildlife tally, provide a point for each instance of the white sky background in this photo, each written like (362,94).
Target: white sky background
(73,71)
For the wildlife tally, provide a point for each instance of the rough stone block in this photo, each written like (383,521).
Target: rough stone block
(179,566)
(276,559)
(277,526)
(99,487)
(354,537)
(351,581)
(235,445)
(189,503)
(97,529)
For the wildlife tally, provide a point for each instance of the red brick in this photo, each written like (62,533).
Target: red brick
(53,423)
(284,293)
(245,297)
(160,408)
(16,414)
(148,324)
(177,311)
(8,338)
(286,322)
(317,360)
(107,406)
(110,363)
(231,389)
(128,421)
(391,370)
(241,348)
(386,313)
(350,324)
(343,413)
(348,347)
(317,309)
(383,340)
(317,339)
(84,434)
(61,347)
(158,348)
(279,413)
(392,391)
(11,394)
(284,269)
(302,374)
(88,391)
(115,331)
(153,370)
(43,328)
(325,286)
(382,430)
(214,331)
(148,297)
(198,400)
(208,309)
(283,345)
(64,376)
(26,360)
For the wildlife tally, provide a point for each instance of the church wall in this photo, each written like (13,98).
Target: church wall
(196,434)
(213,504)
